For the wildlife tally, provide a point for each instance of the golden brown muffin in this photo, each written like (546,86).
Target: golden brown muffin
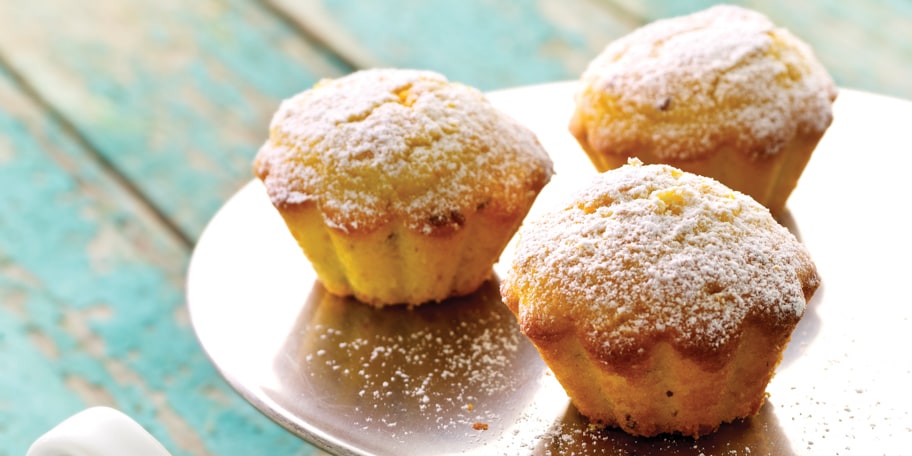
(723,93)
(661,300)
(400,186)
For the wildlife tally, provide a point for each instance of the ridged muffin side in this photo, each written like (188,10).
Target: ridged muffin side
(661,300)
(400,186)
(723,93)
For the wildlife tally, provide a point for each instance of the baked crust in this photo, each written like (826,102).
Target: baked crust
(386,144)
(398,185)
(722,92)
(652,280)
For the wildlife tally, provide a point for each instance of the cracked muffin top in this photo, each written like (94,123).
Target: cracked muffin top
(687,86)
(649,253)
(385,144)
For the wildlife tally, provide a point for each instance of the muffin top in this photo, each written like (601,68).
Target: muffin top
(649,253)
(385,144)
(687,86)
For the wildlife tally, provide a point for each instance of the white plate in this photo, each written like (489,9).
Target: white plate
(355,380)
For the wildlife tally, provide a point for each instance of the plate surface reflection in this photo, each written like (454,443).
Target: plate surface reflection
(457,377)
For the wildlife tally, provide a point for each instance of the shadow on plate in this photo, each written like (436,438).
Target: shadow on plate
(787,220)
(760,434)
(456,376)
(395,380)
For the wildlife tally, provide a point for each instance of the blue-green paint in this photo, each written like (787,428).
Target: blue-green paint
(185,133)
(47,222)
(487,44)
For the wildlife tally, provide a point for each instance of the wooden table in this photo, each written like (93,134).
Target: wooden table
(124,126)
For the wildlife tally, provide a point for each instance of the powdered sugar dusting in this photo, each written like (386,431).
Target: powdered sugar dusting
(445,369)
(420,368)
(687,86)
(645,251)
(387,143)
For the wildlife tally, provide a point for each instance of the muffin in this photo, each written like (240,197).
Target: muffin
(398,185)
(661,300)
(723,93)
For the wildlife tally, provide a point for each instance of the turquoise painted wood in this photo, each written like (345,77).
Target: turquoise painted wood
(865,45)
(176,95)
(487,44)
(92,307)
(124,125)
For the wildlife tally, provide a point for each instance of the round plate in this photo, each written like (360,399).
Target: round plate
(459,377)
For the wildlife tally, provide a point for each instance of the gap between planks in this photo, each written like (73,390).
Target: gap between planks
(347,54)
(93,152)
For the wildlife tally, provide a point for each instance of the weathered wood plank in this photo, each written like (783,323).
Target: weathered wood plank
(866,45)
(176,95)
(92,304)
(489,45)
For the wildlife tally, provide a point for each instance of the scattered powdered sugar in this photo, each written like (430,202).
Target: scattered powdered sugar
(572,435)
(651,250)
(688,85)
(444,369)
(414,366)
(453,377)
(387,143)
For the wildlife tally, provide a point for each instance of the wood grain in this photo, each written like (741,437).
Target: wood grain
(176,95)
(489,45)
(92,307)
(865,45)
